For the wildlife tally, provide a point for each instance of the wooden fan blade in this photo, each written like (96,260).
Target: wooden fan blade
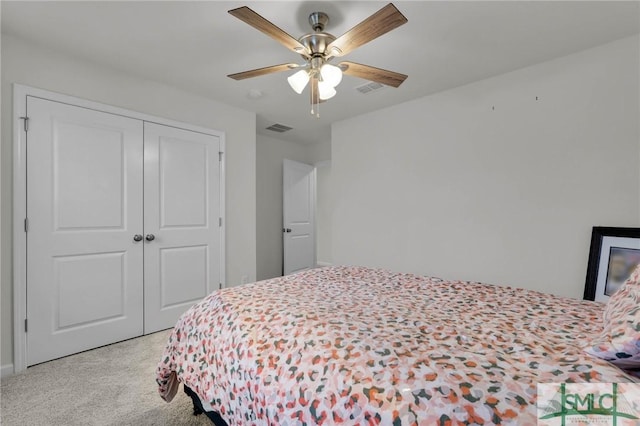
(262,71)
(381,22)
(368,72)
(258,22)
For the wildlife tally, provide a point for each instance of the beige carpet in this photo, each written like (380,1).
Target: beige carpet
(113,385)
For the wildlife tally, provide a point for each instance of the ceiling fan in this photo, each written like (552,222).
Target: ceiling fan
(319,48)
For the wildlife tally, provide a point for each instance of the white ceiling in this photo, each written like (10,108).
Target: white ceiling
(194,45)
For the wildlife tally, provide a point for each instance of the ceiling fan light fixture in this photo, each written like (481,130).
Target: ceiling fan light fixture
(325,90)
(299,81)
(331,74)
(318,48)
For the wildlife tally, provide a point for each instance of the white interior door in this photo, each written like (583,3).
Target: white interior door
(299,230)
(84,198)
(181,221)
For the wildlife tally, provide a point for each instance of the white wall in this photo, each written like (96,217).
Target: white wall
(321,157)
(320,151)
(324,213)
(30,65)
(449,186)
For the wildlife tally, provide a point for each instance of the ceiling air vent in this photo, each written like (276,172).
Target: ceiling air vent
(367,88)
(280,128)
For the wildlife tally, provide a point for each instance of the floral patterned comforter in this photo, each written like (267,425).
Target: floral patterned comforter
(349,345)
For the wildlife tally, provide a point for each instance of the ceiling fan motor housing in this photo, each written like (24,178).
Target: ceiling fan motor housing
(317,42)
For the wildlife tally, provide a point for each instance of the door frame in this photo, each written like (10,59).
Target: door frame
(19,248)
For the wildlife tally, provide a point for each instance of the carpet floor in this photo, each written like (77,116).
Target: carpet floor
(112,385)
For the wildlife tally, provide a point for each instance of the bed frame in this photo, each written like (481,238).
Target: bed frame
(197,409)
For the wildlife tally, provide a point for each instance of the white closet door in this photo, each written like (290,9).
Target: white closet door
(181,212)
(84,203)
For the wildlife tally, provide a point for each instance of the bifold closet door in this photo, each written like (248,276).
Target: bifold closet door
(181,222)
(84,204)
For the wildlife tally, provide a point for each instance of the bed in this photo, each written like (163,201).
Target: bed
(350,345)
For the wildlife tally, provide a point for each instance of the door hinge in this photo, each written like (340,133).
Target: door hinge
(219,286)
(220,222)
(26,325)
(220,155)
(26,224)
(26,123)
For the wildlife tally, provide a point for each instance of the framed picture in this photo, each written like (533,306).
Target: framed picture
(614,254)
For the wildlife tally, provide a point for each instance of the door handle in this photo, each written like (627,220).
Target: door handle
(286,230)
(150,237)
(137,238)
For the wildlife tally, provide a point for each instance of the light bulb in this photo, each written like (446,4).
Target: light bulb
(298,81)
(331,74)
(325,90)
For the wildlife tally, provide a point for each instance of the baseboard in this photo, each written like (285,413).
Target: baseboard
(322,264)
(6,370)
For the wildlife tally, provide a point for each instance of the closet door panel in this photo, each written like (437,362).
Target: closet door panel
(182,233)
(84,206)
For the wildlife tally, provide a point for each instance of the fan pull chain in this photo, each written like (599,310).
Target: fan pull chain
(312,98)
(315,101)
(317,86)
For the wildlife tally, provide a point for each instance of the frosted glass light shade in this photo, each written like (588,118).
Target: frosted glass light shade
(331,74)
(299,81)
(325,90)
